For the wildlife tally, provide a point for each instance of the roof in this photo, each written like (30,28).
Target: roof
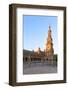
(32,53)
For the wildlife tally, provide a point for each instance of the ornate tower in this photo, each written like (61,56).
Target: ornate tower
(49,51)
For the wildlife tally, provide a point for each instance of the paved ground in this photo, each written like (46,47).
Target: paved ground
(39,68)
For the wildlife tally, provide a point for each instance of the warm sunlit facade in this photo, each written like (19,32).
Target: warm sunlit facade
(47,54)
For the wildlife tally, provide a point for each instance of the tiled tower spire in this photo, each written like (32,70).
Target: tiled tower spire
(49,51)
(49,45)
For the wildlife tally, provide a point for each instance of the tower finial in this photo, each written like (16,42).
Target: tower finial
(49,28)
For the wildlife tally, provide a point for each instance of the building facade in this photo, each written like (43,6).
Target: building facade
(42,56)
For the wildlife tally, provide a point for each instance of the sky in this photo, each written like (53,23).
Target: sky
(35,31)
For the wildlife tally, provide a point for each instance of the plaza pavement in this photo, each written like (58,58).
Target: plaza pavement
(39,68)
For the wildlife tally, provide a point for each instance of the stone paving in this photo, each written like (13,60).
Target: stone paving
(39,68)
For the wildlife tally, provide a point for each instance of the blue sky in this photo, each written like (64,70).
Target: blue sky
(36,31)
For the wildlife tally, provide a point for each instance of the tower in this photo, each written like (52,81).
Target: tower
(49,51)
